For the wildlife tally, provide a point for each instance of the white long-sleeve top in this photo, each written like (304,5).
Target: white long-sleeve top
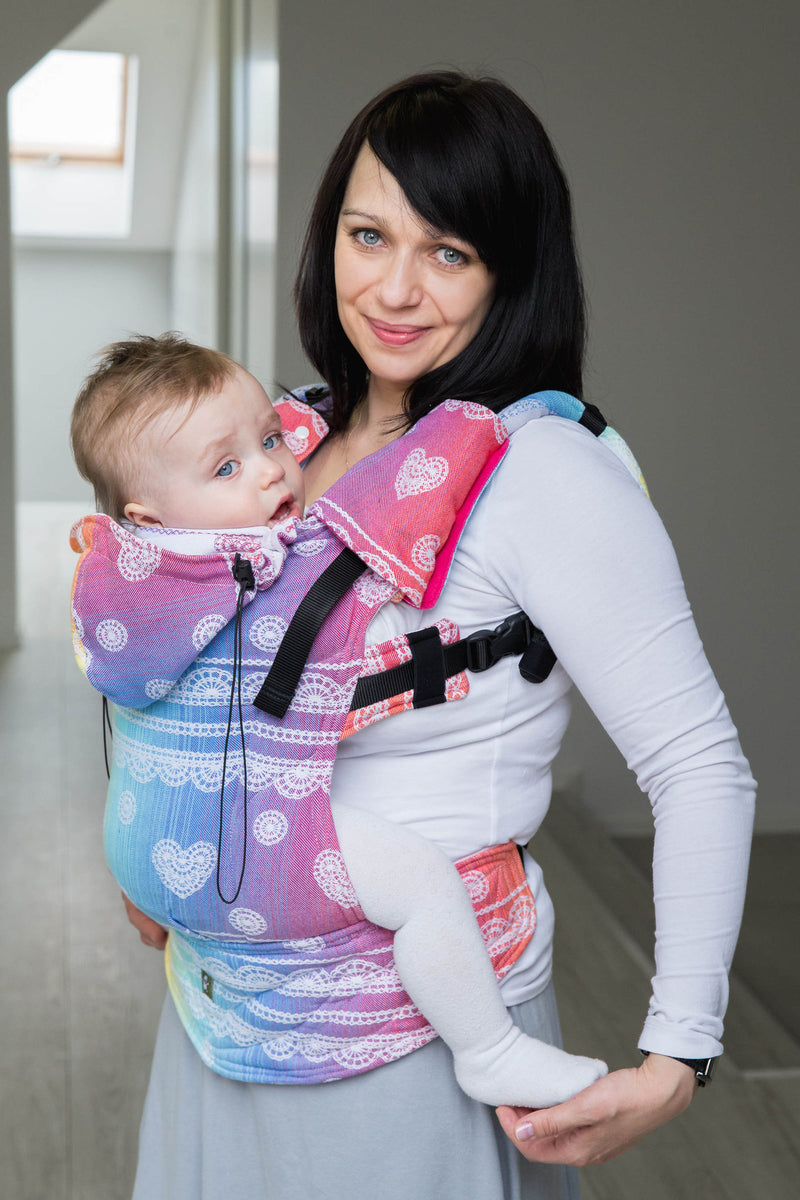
(564,533)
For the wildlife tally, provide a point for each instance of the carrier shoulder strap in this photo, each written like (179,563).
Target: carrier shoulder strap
(277,691)
(431,663)
(515,635)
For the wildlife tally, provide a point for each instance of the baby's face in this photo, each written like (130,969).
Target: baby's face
(224,467)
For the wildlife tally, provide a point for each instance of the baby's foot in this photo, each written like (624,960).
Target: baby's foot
(523,1071)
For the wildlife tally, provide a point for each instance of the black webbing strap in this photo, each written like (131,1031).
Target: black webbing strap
(427,660)
(278,689)
(481,650)
(593,419)
(371,689)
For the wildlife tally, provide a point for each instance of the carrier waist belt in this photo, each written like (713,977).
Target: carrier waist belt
(319,1008)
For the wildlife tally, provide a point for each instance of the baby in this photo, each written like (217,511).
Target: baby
(200,447)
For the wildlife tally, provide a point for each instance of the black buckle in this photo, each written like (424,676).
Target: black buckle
(487,646)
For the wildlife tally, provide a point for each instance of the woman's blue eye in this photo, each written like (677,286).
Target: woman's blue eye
(271,441)
(451,257)
(225,470)
(370,237)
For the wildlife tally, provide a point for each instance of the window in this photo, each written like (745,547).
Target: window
(71,144)
(71,105)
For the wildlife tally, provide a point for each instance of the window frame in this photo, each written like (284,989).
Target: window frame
(19,152)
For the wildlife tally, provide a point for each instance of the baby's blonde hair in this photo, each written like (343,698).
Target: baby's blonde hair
(134,382)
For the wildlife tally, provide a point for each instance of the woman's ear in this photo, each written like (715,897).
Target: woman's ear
(138,514)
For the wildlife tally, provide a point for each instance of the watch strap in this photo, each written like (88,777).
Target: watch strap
(703,1067)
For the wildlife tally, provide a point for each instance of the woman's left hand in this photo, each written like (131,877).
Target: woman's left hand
(606,1118)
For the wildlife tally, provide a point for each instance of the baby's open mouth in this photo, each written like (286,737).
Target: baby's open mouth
(287,508)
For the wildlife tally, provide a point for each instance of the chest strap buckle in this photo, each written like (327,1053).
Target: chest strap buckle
(488,646)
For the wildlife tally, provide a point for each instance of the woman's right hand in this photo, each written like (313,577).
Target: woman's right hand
(151,933)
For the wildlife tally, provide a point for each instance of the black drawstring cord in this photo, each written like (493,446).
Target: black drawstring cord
(243,574)
(109,736)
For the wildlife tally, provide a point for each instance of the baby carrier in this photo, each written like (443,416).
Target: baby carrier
(222,828)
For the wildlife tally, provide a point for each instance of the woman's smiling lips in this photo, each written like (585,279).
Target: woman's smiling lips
(396,335)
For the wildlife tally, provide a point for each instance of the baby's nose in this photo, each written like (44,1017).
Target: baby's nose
(271,471)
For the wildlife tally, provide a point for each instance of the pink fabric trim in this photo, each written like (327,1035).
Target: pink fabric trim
(445,556)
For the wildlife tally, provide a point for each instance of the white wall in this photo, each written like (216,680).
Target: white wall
(73,296)
(29,30)
(67,306)
(261,193)
(677,125)
(194,273)
(162,34)
(223,266)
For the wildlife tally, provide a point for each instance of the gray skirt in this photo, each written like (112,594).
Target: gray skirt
(405,1131)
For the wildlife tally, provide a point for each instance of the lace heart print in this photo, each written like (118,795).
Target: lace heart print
(183,872)
(420,474)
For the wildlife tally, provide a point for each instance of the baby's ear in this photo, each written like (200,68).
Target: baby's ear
(138,514)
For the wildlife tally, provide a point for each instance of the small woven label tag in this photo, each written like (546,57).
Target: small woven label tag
(207,984)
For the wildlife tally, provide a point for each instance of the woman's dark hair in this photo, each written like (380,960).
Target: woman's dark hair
(475,162)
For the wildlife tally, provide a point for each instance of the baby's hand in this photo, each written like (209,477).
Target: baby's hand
(151,933)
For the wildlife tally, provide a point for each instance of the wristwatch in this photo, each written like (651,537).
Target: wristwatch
(703,1067)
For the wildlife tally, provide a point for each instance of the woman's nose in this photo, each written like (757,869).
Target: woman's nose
(400,285)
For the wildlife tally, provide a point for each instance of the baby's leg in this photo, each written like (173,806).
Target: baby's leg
(405,883)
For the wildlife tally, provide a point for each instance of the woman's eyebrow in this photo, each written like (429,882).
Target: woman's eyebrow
(429,230)
(355,212)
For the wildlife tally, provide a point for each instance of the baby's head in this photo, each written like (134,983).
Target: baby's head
(173,434)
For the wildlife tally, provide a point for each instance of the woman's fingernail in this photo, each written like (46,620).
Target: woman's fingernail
(524,1131)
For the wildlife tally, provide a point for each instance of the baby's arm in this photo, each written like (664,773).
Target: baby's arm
(405,883)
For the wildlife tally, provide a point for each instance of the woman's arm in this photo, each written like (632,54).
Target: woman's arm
(591,564)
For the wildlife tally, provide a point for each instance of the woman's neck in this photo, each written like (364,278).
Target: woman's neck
(376,420)
(370,428)
(374,423)
(381,409)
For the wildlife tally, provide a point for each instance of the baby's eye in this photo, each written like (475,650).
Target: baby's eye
(272,441)
(226,469)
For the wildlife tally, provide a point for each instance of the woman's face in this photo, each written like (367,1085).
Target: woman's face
(410,298)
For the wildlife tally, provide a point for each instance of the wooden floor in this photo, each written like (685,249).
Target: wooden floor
(81,996)
(740,1140)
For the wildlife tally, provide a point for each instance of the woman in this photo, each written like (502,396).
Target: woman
(440,263)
